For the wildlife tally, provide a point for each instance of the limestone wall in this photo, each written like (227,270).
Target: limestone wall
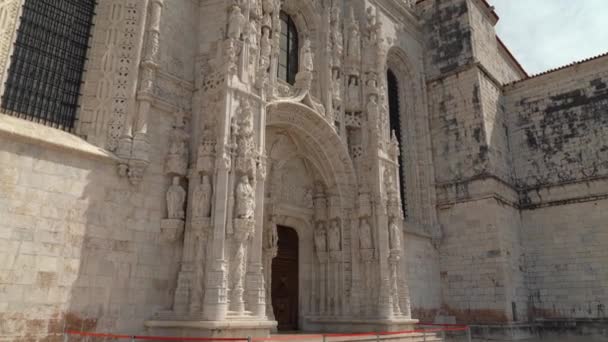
(422,274)
(80,247)
(559,136)
(559,127)
(566,260)
(448,35)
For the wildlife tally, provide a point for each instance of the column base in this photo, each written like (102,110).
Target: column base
(237,327)
(357,325)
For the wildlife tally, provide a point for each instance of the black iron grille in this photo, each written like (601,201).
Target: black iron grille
(45,74)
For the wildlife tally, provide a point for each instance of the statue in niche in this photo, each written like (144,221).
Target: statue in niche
(236,21)
(265,50)
(370,18)
(365,234)
(320,238)
(334,236)
(176,197)
(252,34)
(336,37)
(395,235)
(336,88)
(372,108)
(271,237)
(306,57)
(177,158)
(201,198)
(245,199)
(354,39)
(353,93)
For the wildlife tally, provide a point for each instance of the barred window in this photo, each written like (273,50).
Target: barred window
(44,78)
(288,59)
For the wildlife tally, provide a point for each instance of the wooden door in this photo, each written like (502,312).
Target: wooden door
(285,280)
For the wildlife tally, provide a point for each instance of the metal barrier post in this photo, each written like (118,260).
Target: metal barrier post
(65,337)
(248,338)
(377,337)
(469,339)
(132,338)
(443,334)
(423,335)
(324,338)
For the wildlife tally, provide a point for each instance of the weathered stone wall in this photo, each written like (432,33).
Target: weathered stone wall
(566,260)
(559,134)
(448,36)
(559,127)
(422,274)
(480,253)
(480,258)
(80,247)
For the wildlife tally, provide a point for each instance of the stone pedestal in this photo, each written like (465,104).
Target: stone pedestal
(171,230)
(230,328)
(358,325)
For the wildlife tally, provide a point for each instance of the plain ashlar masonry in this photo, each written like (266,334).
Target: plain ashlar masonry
(506,185)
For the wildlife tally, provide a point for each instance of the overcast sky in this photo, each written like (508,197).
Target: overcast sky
(545,34)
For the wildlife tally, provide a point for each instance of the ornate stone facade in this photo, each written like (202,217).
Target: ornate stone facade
(193,156)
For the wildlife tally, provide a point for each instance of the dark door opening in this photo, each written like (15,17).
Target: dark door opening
(285,280)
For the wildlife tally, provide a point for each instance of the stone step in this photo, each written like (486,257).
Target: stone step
(417,337)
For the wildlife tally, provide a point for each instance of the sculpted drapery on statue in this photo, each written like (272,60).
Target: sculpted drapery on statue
(176,197)
(245,199)
(306,57)
(201,198)
(320,237)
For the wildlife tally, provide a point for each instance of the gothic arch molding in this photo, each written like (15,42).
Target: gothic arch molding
(328,152)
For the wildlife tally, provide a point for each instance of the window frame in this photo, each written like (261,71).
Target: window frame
(289,55)
(45,72)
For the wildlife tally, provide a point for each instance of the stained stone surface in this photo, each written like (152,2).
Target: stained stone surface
(162,208)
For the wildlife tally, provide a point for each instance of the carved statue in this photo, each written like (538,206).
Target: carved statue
(395,235)
(372,108)
(177,158)
(336,37)
(271,237)
(201,198)
(320,238)
(354,98)
(236,22)
(306,57)
(265,50)
(365,235)
(245,199)
(333,236)
(354,41)
(176,197)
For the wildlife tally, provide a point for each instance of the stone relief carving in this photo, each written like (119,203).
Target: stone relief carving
(176,198)
(177,158)
(245,199)
(201,198)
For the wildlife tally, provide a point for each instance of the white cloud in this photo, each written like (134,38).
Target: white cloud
(545,34)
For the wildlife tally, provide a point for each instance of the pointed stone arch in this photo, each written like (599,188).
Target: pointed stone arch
(328,152)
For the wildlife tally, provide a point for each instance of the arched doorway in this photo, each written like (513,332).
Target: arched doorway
(285,277)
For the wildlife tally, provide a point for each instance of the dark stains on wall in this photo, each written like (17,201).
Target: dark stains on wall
(566,135)
(449,33)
